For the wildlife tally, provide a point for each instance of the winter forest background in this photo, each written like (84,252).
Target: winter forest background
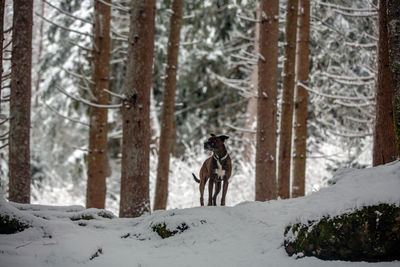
(214,91)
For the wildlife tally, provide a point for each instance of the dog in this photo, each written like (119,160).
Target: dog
(216,168)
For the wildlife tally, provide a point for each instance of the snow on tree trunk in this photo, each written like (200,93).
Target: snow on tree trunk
(98,166)
(393,16)
(285,132)
(251,112)
(384,147)
(20,102)
(168,107)
(135,199)
(301,100)
(265,182)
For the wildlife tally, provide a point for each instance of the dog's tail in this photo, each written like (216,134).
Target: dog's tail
(195,178)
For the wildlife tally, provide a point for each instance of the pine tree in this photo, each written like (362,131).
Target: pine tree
(168,108)
(98,166)
(285,132)
(301,101)
(2,9)
(20,102)
(267,97)
(384,149)
(136,134)
(393,20)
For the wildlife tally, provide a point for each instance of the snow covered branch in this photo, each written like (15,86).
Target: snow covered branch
(67,13)
(350,98)
(66,117)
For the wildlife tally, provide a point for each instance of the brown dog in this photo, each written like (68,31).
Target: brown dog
(217,168)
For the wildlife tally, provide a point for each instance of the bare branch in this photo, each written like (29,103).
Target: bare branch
(63,27)
(119,7)
(370,10)
(3,146)
(241,129)
(79,99)
(221,94)
(66,117)
(115,94)
(336,96)
(67,13)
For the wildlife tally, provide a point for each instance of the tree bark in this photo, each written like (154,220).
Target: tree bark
(2,8)
(301,101)
(168,108)
(384,147)
(20,102)
(393,17)
(251,112)
(285,139)
(266,104)
(98,168)
(135,199)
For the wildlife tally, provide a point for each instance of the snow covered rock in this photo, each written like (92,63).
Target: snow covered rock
(368,234)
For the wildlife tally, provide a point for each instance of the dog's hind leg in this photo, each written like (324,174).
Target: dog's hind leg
(210,190)
(217,190)
(202,185)
(224,190)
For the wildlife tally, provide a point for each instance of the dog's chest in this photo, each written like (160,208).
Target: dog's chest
(219,171)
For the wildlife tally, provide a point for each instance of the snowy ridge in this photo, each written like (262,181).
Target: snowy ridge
(248,234)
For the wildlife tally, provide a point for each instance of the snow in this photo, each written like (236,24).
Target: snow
(247,234)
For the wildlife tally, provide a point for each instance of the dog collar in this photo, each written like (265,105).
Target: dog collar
(220,159)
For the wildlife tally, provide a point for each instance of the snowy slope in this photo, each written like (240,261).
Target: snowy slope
(248,234)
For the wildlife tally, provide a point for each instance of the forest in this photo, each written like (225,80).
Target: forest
(110,108)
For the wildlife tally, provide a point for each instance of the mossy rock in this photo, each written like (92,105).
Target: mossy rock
(370,234)
(11,225)
(161,229)
(88,217)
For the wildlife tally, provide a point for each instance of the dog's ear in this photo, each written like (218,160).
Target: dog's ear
(212,135)
(223,137)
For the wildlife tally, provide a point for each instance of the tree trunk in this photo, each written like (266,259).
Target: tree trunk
(266,104)
(393,17)
(135,199)
(98,168)
(168,108)
(384,148)
(20,102)
(301,102)
(285,139)
(251,112)
(2,8)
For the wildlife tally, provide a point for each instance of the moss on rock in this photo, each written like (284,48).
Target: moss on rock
(10,225)
(162,230)
(369,234)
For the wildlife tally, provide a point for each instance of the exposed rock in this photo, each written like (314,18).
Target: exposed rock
(370,234)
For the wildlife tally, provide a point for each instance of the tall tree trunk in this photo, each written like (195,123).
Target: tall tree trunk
(393,17)
(384,149)
(285,139)
(301,102)
(2,9)
(135,199)
(98,168)
(251,112)
(168,108)
(20,103)
(266,104)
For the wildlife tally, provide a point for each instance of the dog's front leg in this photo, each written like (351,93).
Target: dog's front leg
(224,190)
(210,190)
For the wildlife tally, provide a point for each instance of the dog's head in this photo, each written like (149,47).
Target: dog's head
(215,142)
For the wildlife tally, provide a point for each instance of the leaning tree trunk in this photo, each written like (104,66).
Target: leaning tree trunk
(251,112)
(285,139)
(393,16)
(384,148)
(266,105)
(301,102)
(98,168)
(168,108)
(20,102)
(135,199)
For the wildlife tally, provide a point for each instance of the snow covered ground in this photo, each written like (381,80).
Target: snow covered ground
(248,234)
